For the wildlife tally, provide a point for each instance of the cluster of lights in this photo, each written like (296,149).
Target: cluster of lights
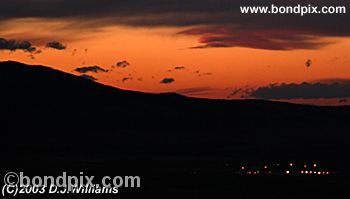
(253,172)
(315,172)
(291,171)
(250,172)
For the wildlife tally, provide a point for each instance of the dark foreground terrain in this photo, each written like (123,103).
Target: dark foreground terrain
(180,147)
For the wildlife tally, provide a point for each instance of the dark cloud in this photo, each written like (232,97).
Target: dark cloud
(94,69)
(235,92)
(205,74)
(122,64)
(56,45)
(88,77)
(199,74)
(308,63)
(242,92)
(224,37)
(127,79)
(317,90)
(38,52)
(13,45)
(167,81)
(31,56)
(179,68)
(217,23)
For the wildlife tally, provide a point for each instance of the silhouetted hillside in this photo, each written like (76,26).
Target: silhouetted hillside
(54,119)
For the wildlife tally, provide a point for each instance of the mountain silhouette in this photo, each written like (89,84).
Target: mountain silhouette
(56,120)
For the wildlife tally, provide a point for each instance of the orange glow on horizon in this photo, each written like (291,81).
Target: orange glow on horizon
(153,53)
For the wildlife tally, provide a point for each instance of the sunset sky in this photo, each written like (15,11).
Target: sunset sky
(198,48)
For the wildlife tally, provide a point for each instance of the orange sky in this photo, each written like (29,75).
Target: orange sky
(152,52)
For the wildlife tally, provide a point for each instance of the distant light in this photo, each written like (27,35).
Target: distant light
(306,172)
(243,168)
(305,165)
(315,172)
(315,165)
(327,172)
(302,172)
(319,173)
(287,172)
(265,167)
(291,164)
